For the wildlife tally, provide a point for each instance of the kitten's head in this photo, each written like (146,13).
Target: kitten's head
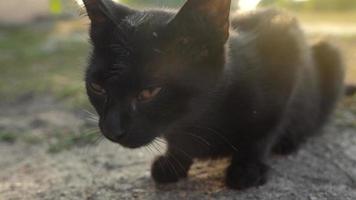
(147,67)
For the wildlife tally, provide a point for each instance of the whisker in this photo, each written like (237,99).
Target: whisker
(155,147)
(211,130)
(149,147)
(89,112)
(91,116)
(91,130)
(172,166)
(95,121)
(98,140)
(95,142)
(177,161)
(174,147)
(161,140)
(198,137)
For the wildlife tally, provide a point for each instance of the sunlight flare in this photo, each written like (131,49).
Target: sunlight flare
(248,4)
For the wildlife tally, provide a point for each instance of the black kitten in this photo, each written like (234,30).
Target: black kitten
(210,86)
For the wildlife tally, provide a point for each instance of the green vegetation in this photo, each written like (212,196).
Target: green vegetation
(35,59)
(56,142)
(313,5)
(338,18)
(8,137)
(65,141)
(49,59)
(56,6)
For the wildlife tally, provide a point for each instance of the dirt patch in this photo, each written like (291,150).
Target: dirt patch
(323,169)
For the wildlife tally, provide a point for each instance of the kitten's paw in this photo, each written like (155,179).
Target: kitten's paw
(168,170)
(246,175)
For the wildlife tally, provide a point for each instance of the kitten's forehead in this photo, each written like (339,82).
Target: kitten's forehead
(138,19)
(143,33)
(148,20)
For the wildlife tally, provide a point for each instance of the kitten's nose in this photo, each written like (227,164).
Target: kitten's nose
(113,135)
(111,127)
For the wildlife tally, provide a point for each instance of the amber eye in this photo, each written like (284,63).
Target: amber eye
(97,89)
(148,94)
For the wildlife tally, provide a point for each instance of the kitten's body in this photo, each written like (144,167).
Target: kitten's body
(262,90)
(272,95)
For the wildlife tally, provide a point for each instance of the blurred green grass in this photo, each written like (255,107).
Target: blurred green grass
(40,59)
(36,59)
(50,58)
(346,17)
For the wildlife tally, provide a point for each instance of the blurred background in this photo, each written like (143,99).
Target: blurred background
(44,46)
(43,52)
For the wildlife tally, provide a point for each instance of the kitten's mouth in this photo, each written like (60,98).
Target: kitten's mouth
(114,138)
(128,140)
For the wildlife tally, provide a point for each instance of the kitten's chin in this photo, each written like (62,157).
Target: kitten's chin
(132,142)
(133,145)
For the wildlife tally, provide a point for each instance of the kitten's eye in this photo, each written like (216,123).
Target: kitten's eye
(148,94)
(97,89)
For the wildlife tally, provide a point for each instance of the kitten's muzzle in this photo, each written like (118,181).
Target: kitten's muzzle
(111,128)
(113,135)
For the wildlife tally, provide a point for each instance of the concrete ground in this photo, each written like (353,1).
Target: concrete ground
(324,169)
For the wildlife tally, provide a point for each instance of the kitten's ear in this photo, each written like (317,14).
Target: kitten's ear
(103,11)
(209,15)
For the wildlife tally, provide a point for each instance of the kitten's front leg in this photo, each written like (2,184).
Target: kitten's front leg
(247,168)
(171,167)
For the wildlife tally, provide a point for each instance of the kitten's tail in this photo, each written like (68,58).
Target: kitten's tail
(331,72)
(331,68)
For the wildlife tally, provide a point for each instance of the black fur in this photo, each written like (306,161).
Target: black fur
(242,92)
